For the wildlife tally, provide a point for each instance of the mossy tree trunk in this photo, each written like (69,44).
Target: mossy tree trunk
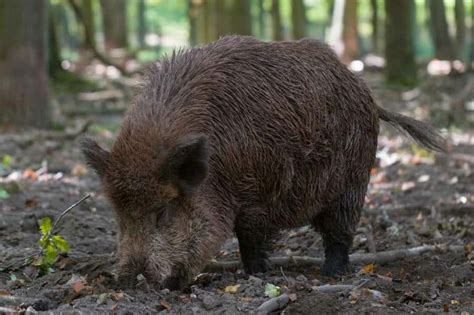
(399,47)
(24,93)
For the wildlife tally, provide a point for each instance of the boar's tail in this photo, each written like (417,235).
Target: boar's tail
(421,132)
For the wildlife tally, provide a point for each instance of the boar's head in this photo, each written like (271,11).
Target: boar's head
(152,188)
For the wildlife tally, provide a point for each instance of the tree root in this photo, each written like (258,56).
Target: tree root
(375,258)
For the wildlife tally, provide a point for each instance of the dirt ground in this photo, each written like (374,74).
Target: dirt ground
(415,198)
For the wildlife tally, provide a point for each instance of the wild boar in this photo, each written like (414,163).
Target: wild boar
(241,136)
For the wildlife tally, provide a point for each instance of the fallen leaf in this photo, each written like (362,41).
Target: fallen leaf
(368,269)
(4,293)
(102,299)
(165,304)
(232,289)
(185,298)
(29,173)
(272,290)
(407,186)
(79,170)
(30,203)
(117,296)
(78,286)
(446,308)
(292,297)
(468,249)
(455,302)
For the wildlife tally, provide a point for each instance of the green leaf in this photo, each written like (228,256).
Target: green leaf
(46,225)
(13,277)
(272,290)
(60,243)
(7,161)
(49,254)
(4,194)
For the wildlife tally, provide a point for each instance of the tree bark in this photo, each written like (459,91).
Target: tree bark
(459,14)
(24,96)
(54,60)
(375,25)
(261,18)
(440,31)
(114,16)
(242,19)
(277,32)
(141,30)
(298,19)
(349,32)
(399,46)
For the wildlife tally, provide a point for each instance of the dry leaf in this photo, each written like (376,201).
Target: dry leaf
(117,296)
(4,293)
(292,297)
(455,302)
(232,289)
(368,269)
(78,286)
(79,170)
(29,173)
(446,308)
(165,304)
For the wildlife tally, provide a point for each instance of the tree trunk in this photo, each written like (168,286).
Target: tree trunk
(114,15)
(242,19)
(141,29)
(88,20)
(399,46)
(471,52)
(261,18)
(375,25)
(298,19)
(277,32)
(349,32)
(24,97)
(460,28)
(440,31)
(54,62)
(193,11)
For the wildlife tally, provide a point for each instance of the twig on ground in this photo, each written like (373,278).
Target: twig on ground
(331,288)
(66,212)
(376,258)
(273,304)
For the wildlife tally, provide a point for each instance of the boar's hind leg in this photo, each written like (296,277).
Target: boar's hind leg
(337,224)
(253,243)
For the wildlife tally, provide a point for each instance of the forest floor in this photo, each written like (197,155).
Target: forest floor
(415,198)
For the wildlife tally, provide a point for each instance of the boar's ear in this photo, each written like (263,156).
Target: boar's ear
(187,164)
(95,156)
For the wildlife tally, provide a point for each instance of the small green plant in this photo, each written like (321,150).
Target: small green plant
(51,244)
(3,193)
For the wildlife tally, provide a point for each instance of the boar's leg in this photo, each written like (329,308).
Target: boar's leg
(253,243)
(337,224)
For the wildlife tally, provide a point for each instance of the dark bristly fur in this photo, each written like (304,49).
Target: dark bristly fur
(245,136)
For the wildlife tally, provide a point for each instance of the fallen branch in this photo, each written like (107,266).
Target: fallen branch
(273,304)
(333,288)
(375,258)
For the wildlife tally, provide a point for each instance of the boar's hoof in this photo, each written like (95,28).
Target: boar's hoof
(334,269)
(173,283)
(256,266)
